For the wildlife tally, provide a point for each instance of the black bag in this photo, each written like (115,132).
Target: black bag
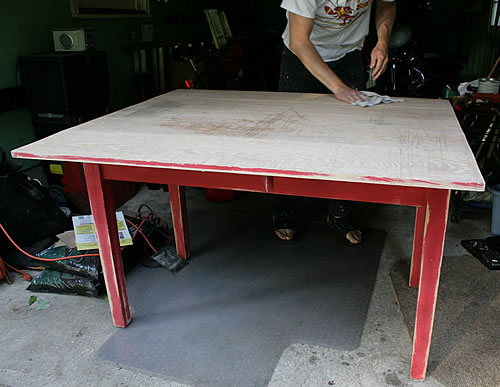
(27,211)
(88,267)
(52,281)
(7,166)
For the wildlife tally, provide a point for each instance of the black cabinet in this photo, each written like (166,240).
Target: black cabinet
(73,84)
(63,90)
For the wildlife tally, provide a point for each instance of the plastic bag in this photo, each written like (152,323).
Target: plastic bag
(89,267)
(51,281)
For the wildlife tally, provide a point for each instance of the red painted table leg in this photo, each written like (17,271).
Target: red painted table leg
(436,217)
(418,240)
(103,210)
(430,227)
(179,219)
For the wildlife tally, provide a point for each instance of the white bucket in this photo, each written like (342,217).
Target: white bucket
(488,85)
(495,211)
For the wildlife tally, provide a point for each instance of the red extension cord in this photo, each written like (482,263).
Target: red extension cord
(27,277)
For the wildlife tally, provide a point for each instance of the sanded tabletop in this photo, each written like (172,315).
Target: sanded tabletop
(415,143)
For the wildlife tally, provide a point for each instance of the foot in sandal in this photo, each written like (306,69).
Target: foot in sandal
(350,234)
(283,225)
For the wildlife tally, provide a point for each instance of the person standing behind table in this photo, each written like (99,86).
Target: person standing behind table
(322,53)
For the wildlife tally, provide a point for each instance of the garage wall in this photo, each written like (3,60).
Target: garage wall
(453,29)
(25,28)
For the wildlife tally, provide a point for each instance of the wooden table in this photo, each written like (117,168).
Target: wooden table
(410,153)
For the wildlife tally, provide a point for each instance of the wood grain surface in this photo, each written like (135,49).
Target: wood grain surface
(415,143)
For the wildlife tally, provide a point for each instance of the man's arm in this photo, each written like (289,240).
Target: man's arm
(300,44)
(384,20)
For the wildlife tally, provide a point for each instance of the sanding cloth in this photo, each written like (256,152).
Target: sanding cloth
(375,99)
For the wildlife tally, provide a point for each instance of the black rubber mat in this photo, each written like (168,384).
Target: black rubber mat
(225,319)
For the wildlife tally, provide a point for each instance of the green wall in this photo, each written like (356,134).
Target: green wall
(22,31)
(26,27)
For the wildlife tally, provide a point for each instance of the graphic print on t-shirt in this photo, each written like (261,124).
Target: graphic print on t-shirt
(339,16)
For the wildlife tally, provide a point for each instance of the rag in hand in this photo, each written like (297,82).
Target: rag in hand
(375,99)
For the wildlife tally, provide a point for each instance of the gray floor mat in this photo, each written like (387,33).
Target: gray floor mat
(225,319)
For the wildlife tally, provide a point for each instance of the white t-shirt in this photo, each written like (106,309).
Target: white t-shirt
(340,26)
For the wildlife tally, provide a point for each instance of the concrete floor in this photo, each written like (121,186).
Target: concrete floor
(56,346)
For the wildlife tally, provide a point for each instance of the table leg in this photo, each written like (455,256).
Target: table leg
(102,205)
(179,219)
(436,216)
(418,239)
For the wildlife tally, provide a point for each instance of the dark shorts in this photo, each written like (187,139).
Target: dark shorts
(294,77)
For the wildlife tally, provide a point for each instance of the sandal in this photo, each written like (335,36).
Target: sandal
(343,227)
(284,221)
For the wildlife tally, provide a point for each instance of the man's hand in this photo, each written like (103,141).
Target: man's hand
(384,20)
(379,60)
(346,94)
(300,44)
